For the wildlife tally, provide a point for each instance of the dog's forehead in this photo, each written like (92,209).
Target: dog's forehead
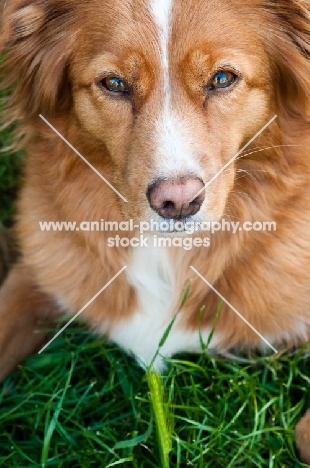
(162,11)
(155,36)
(158,24)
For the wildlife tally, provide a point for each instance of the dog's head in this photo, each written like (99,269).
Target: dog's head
(170,91)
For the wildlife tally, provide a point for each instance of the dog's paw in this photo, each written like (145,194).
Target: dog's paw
(7,253)
(302,435)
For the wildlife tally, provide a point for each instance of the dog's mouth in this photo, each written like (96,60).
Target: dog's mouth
(184,226)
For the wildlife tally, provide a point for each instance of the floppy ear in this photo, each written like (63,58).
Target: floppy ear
(36,38)
(289,42)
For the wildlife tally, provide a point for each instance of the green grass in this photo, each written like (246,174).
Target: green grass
(84,403)
(9,177)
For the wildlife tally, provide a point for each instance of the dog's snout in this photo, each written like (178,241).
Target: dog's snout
(177,199)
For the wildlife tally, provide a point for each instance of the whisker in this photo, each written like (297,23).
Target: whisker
(247,174)
(268,148)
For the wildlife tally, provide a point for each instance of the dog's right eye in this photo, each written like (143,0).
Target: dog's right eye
(115,85)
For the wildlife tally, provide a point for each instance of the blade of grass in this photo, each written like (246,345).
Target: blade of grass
(157,401)
(53,423)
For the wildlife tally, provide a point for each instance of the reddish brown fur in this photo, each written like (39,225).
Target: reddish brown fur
(54,57)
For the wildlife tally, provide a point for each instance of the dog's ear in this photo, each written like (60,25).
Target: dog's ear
(289,47)
(36,40)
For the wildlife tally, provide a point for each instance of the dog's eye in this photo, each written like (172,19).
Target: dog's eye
(222,79)
(115,85)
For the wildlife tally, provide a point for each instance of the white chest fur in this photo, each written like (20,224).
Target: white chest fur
(151,274)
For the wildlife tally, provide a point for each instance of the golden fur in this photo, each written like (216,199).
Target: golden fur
(56,53)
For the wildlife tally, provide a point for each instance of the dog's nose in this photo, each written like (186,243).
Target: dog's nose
(177,199)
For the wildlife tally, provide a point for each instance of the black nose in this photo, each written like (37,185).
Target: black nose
(177,199)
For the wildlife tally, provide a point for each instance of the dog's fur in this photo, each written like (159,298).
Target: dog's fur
(57,51)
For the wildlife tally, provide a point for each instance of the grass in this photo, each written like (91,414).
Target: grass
(9,178)
(84,403)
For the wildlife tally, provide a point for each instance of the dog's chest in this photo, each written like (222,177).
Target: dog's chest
(151,272)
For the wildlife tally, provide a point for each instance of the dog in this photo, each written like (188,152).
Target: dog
(168,113)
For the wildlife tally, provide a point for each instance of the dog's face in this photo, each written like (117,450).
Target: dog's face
(165,92)
(173,90)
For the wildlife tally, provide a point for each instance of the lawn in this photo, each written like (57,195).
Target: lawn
(84,403)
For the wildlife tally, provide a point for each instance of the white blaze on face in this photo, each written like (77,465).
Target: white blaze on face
(162,12)
(175,155)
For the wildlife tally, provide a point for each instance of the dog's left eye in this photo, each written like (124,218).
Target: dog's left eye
(222,79)
(115,85)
